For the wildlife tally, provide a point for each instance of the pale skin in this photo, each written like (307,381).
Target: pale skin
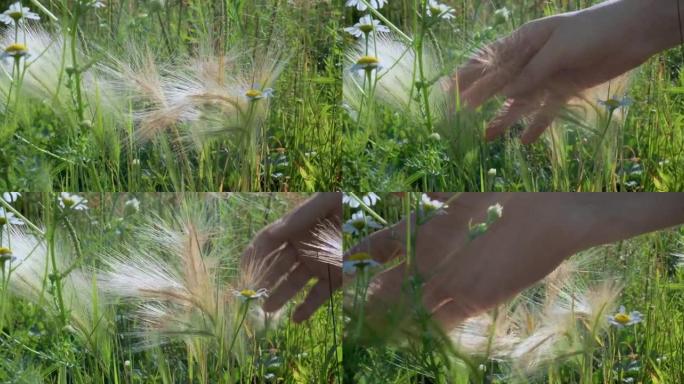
(535,234)
(546,62)
(462,277)
(284,268)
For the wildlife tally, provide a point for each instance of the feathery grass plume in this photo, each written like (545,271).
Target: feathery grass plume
(45,79)
(557,320)
(174,284)
(396,78)
(327,244)
(30,279)
(216,96)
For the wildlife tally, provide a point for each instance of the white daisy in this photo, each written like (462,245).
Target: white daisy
(5,255)
(365,26)
(358,4)
(614,103)
(428,206)
(16,13)
(622,319)
(439,10)
(75,202)
(7,217)
(255,93)
(370,199)
(359,222)
(11,197)
(247,295)
(358,261)
(366,63)
(14,50)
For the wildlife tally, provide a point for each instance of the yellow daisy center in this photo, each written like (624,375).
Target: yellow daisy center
(248,293)
(4,251)
(366,28)
(622,318)
(16,49)
(368,60)
(68,202)
(361,256)
(16,15)
(253,93)
(612,103)
(3,220)
(435,11)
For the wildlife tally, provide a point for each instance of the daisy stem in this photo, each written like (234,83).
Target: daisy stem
(424,87)
(245,306)
(74,61)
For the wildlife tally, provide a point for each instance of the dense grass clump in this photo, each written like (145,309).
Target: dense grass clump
(149,288)
(172,95)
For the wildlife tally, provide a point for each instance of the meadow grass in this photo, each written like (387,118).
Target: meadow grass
(399,137)
(75,118)
(65,317)
(554,332)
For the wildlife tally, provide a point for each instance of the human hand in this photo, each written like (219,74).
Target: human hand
(280,254)
(546,62)
(536,233)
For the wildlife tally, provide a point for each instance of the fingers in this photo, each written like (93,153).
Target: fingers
(512,111)
(278,264)
(295,226)
(288,287)
(303,219)
(542,119)
(317,296)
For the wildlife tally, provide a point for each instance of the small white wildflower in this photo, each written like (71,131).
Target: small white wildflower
(622,319)
(75,202)
(358,261)
(435,136)
(247,295)
(494,213)
(365,26)
(502,15)
(370,199)
(16,14)
(439,10)
(127,364)
(358,4)
(132,205)
(360,222)
(11,197)
(491,172)
(428,206)
(7,217)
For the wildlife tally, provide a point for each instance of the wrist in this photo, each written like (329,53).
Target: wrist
(659,23)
